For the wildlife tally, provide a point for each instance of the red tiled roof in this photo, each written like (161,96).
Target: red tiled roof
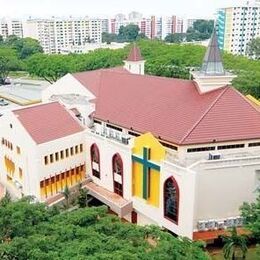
(174,109)
(135,54)
(91,79)
(47,122)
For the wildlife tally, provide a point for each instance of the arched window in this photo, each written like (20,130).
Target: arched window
(171,200)
(95,160)
(117,165)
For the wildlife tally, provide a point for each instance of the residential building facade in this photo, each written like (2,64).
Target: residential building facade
(237,26)
(11,27)
(55,34)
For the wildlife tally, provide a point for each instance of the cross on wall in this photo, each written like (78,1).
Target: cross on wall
(147,166)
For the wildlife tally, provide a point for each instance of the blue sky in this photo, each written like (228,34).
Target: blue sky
(41,8)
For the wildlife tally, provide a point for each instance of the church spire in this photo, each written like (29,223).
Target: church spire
(212,62)
(212,75)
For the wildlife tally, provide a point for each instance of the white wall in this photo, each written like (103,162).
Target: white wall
(107,149)
(135,67)
(222,187)
(18,137)
(66,85)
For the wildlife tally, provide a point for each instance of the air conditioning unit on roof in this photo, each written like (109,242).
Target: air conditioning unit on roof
(214,156)
(210,224)
(238,221)
(220,224)
(201,225)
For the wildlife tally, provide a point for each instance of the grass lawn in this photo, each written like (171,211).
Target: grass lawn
(251,255)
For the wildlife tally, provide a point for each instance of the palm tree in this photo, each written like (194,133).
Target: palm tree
(234,243)
(66,194)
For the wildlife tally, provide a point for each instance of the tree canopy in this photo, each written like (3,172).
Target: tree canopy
(251,215)
(253,48)
(175,37)
(128,33)
(52,67)
(24,47)
(8,62)
(200,30)
(33,231)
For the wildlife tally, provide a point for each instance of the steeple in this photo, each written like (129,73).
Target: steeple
(212,62)
(135,54)
(135,62)
(212,75)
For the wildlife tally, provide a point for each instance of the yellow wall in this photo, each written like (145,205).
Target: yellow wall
(59,185)
(157,153)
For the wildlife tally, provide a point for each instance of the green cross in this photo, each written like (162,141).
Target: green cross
(147,166)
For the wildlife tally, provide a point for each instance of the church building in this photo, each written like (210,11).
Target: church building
(180,154)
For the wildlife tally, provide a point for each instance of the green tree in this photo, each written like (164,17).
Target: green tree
(251,216)
(109,37)
(8,62)
(204,26)
(233,244)
(82,197)
(128,33)
(201,30)
(49,67)
(34,232)
(253,48)
(25,47)
(175,37)
(66,194)
(6,199)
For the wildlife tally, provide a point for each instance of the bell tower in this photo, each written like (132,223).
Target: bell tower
(135,63)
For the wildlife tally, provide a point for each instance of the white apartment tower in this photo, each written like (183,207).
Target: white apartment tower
(237,26)
(55,34)
(11,27)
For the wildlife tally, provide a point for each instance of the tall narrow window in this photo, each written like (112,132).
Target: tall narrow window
(171,200)
(118,174)
(95,160)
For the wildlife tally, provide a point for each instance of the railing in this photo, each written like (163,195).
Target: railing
(113,135)
(228,162)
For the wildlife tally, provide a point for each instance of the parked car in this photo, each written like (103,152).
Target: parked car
(3,102)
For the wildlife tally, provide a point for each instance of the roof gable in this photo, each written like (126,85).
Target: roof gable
(48,122)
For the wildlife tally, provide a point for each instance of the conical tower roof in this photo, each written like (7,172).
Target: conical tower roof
(212,63)
(135,54)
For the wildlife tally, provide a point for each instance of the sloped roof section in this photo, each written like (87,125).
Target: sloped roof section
(48,122)
(91,79)
(231,117)
(174,110)
(212,62)
(135,54)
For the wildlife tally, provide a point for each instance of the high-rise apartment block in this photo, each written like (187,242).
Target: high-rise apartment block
(55,34)
(237,26)
(152,27)
(11,27)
